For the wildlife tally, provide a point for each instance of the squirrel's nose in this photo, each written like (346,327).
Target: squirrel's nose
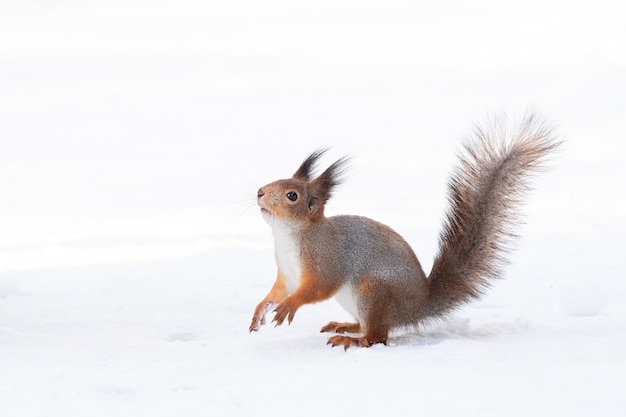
(260,193)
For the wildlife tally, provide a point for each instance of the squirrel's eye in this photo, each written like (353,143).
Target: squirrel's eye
(292,196)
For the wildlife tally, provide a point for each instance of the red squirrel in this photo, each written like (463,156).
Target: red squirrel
(370,269)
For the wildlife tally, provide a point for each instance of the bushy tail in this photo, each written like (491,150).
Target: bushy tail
(484,194)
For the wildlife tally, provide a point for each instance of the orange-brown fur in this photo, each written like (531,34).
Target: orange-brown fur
(311,290)
(277,294)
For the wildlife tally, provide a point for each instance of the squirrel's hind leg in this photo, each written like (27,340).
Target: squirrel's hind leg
(336,327)
(376,315)
(375,332)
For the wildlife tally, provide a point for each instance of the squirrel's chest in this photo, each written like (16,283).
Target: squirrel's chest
(288,256)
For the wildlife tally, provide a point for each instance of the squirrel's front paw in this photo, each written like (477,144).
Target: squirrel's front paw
(284,311)
(257,322)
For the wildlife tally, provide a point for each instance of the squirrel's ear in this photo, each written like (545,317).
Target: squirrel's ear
(320,189)
(306,169)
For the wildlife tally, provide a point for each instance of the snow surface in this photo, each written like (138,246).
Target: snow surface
(134,135)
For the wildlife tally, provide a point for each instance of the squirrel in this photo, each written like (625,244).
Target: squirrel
(370,269)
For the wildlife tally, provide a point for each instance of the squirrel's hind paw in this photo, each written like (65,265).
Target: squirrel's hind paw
(347,341)
(336,327)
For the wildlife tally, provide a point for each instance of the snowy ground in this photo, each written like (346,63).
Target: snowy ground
(134,136)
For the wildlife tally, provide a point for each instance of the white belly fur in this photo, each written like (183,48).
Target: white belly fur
(287,255)
(347,299)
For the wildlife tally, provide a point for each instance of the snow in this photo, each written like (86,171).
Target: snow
(133,138)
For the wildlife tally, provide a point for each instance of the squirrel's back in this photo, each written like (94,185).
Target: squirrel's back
(370,247)
(371,258)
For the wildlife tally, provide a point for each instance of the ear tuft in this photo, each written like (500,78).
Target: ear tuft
(305,171)
(320,189)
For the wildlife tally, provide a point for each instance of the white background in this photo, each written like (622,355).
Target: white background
(133,137)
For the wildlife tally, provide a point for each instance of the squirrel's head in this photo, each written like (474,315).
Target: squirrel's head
(301,198)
